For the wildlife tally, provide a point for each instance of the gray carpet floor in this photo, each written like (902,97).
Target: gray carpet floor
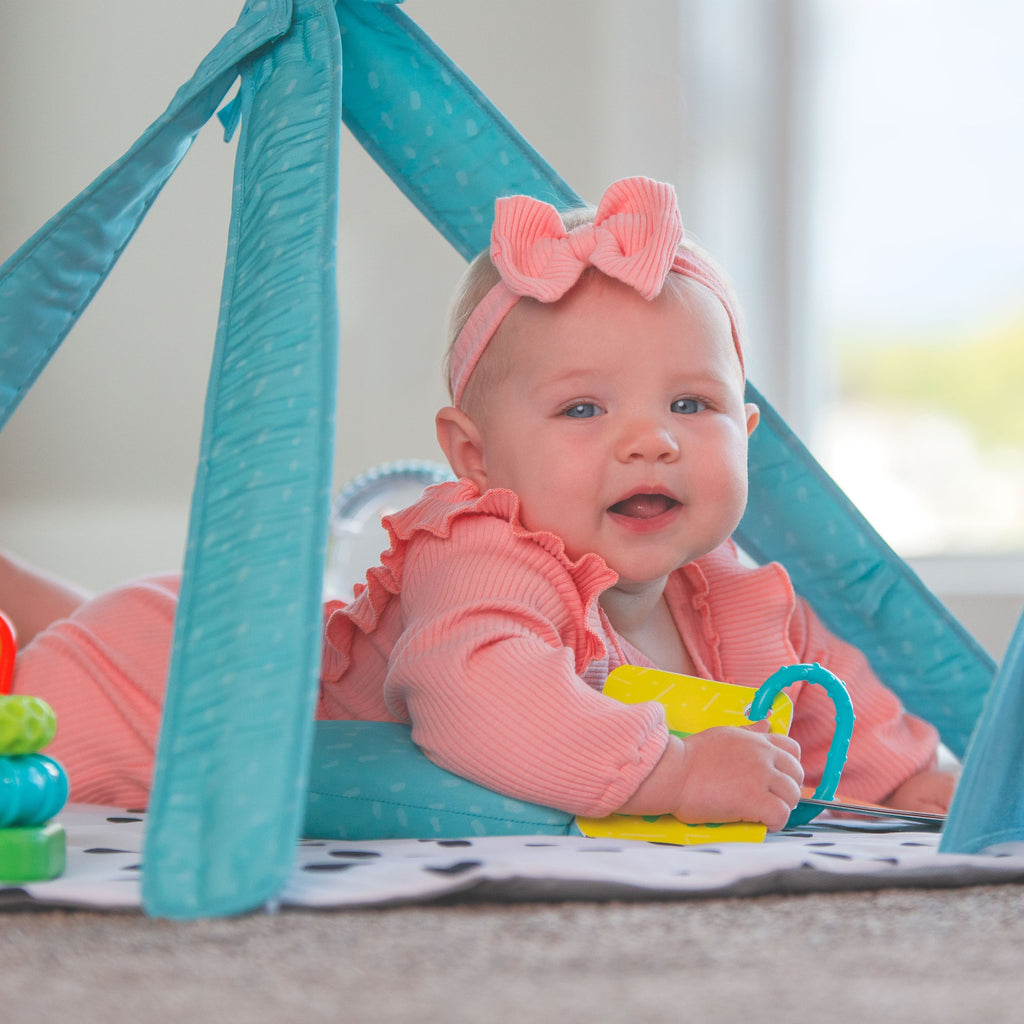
(897,956)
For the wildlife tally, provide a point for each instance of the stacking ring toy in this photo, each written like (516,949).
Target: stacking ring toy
(27,724)
(8,649)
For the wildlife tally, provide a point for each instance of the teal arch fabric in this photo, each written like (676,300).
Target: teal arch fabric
(49,281)
(440,140)
(863,591)
(237,731)
(988,806)
(237,727)
(232,745)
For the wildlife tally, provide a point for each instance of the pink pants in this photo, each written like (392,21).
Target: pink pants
(103,671)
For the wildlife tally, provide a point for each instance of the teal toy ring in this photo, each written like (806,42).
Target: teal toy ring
(836,689)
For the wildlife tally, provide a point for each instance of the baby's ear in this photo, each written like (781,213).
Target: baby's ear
(462,444)
(753,415)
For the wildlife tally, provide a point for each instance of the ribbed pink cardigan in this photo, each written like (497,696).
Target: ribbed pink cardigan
(491,643)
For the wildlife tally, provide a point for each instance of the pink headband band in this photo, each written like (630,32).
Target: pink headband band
(634,238)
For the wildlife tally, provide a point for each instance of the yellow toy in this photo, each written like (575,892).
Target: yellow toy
(693,704)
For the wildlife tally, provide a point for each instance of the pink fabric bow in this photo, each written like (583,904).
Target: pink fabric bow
(633,238)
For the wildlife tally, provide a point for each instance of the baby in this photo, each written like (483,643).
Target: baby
(599,432)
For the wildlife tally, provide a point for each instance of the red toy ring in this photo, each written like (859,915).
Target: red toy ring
(8,649)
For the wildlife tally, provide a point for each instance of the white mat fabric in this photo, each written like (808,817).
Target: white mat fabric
(105,858)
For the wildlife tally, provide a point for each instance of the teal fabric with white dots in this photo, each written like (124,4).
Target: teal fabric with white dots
(442,142)
(48,282)
(368,780)
(233,761)
(234,748)
(988,805)
(862,590)
(242,684)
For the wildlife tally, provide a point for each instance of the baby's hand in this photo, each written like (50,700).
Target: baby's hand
(724,774)
(930,791)
(740,774)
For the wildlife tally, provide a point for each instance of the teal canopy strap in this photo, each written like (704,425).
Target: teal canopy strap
(988,806)
(862,590)
(441,141)
(232,764)
(48,282)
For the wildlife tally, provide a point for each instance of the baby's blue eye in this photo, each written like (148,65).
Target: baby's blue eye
(582,411)
(688,406)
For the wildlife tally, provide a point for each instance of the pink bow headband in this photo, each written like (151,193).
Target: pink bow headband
(634,238)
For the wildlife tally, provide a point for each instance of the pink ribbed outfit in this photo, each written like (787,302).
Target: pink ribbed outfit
(491,643)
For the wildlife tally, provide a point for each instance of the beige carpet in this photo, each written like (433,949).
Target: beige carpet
(867,958)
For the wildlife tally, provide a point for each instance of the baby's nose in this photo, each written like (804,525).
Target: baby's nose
(650,440)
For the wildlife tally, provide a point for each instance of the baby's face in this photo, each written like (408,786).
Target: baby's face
(620,423)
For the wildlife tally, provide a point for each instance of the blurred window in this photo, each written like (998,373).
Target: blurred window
(916,250)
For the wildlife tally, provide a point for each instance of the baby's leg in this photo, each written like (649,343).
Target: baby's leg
(103,670)
(32,599)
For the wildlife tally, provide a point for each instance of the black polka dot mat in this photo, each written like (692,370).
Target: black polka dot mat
(104,867)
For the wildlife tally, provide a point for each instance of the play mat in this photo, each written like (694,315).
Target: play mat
(104,866)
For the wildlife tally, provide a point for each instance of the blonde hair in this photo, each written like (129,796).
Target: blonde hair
(479,278)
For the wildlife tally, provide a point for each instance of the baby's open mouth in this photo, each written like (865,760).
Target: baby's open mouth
(643,506)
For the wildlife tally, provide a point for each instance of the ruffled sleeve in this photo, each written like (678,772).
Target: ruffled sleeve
(476,631)
(889,744)
(743,623)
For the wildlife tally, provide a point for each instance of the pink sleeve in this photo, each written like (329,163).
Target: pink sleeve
(486,672)
(889,745)
(103,671)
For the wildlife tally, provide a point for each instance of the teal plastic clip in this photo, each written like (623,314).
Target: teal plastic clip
(834,763)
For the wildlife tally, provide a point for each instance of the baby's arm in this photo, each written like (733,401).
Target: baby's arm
(32,599)
(724,774)
(496,629)
(892,755)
